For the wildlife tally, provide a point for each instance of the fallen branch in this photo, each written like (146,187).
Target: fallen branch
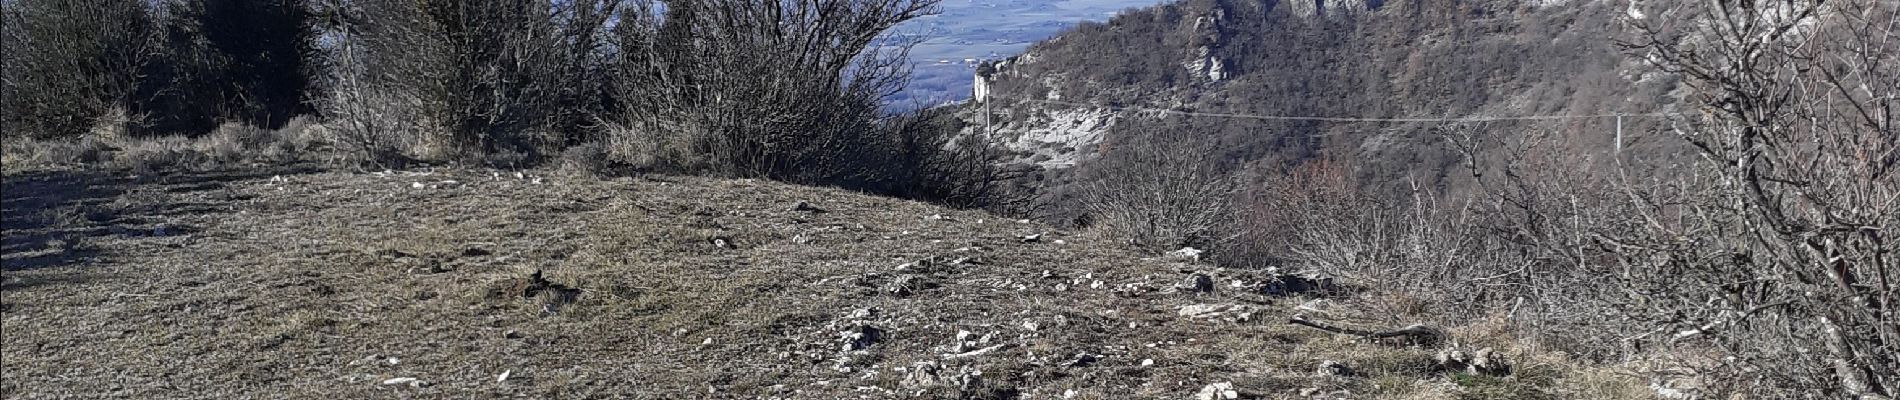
(978,352)
(1419,333)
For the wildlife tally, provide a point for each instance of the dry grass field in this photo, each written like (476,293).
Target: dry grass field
(305,284)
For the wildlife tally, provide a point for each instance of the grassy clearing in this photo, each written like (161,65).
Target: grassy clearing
(338,285)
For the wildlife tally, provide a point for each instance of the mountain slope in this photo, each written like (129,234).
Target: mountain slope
(1394,59)
(341,285)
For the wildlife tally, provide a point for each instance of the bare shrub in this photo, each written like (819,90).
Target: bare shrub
(652,149)
(444,80)
(161,154)
(226,60)
(786,90)
(586,159)
(1778,247)
(1160,191)
(24,153)
(70,62)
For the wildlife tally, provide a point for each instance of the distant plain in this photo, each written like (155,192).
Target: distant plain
(978,30)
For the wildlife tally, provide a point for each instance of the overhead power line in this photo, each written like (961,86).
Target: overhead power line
(1352,119)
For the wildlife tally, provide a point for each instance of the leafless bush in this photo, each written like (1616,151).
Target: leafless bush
(452,79)
(786,90)
(70,62)
(586,159)
(1782,269)
(1161,191)
(1763,261)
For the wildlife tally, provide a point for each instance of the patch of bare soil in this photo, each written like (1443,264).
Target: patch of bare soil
(490,284)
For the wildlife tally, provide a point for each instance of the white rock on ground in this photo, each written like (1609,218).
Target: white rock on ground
(1186,254)
(1218,391)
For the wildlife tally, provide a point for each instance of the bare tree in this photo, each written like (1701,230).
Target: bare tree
(1161,190)
(1780,244)
(70,63)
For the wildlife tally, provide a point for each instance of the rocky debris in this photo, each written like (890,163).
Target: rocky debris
(723,242)
(1288,284)
(1481,362)
(1083,360)
(904,285)
(1333,368)
(967,341)
(978,352)
(1228,312)
(1218,391)
(1196,283)
(1186,254)
(1313,392)
(924,374)
(807,207)
(860,337)
(969,344)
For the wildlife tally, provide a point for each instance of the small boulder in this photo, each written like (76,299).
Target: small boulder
(1228,312)
(907,284)
(1186,254)
(1295,284)
(1482,362)
(1196,283)
(1333,368)
(1218,391)
(923,374)
(861,337)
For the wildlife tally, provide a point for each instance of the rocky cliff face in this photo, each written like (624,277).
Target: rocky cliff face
(1448,59)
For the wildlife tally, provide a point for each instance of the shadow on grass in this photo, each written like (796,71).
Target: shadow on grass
(48,216)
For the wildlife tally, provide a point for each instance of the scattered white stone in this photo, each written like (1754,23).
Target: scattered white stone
(1333,368)
(1147,362)
(1196,283)
(1206,310)
(1186,254)
(412,382)
(1068,394)
(416,185)
(1218,391)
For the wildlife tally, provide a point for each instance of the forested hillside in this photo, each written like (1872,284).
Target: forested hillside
(1381,60)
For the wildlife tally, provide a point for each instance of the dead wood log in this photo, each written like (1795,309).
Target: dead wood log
(1415,333)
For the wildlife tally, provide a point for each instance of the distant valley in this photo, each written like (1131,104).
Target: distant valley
(968,31)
